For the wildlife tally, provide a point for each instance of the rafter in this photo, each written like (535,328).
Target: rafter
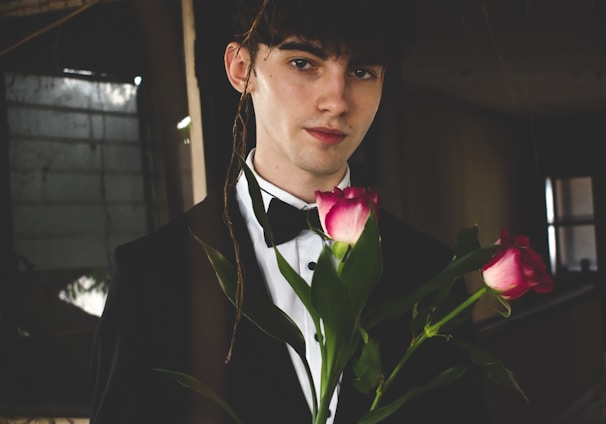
(35,7)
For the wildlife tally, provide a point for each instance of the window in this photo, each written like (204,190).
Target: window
(76,173)
(571,225)
(78,187)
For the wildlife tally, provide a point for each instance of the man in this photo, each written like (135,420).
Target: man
(314,72)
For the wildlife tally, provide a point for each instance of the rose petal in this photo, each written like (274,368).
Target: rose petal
(343,213)
(346,220)
(504,274)
(325,200)
(516,268)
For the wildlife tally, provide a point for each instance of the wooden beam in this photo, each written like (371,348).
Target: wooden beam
(47,28)
(198,165)
(36,7)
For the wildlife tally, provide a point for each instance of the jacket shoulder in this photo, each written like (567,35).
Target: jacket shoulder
(204,220)
(399,235)
(409,252)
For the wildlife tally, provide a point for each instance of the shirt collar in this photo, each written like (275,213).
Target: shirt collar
(269,190)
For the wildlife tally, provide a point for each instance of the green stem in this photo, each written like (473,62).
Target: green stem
(329,382)
(314,397)
(434,329)
(430,331)
(323,354)
(325,398)
(415,343)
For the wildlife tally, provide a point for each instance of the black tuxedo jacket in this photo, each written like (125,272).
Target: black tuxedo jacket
(165,310)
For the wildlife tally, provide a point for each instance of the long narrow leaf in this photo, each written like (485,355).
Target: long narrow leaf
(201,388)
(257,307)
(467,241)
(298,284)
(257,200)
(493,366)
(329,296)
(455,269)
(339,319)
(444,378)
(364,265)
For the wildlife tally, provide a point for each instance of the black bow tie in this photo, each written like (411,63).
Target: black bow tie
(287,222)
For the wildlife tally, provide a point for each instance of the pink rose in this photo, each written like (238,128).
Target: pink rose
(516,268)
(343,213)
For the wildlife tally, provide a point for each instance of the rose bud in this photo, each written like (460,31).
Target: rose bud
(343,213)
(516,268)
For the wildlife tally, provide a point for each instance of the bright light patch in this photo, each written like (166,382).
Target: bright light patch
(84,295)
(183,123)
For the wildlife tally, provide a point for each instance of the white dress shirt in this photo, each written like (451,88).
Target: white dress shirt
(301,253)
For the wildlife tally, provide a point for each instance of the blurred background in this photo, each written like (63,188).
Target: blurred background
(116,116)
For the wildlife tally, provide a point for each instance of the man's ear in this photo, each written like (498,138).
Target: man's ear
(237,61)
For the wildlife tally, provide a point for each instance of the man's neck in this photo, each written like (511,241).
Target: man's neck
(303,185)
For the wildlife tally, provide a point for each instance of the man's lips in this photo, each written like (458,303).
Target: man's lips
(326,135)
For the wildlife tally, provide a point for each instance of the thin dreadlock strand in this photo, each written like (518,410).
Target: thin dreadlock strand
(239,135)
(248,34)
(238,148)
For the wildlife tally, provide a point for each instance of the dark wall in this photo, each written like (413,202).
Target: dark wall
(217,97)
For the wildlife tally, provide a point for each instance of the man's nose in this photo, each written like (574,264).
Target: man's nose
(333,95)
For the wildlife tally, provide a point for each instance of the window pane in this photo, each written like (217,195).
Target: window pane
(76,170)
(574,198)
(77,189)
(577,248)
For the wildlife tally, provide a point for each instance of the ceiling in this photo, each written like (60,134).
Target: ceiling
(29,7)
(47,36)
(513,56)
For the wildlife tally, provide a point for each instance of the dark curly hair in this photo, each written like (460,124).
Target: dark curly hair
(377,30)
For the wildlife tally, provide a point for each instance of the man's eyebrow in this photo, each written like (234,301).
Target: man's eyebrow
(312,48)
(304,46)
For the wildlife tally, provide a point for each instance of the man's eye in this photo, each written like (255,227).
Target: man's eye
(300,63)
(362,73)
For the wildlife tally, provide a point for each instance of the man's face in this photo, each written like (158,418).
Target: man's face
(312,110)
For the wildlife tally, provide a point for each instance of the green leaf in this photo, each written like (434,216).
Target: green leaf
(444,378)
(201,388)
(444,302)
(505,377)
(298,284)
(367,369)
(332,302)
(467,241)
(507,312)
(493,366)
(330,297)
(257,200)
(364,265)
(339,298)
(257,307)
(459,266)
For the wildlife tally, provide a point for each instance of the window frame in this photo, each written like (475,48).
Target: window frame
(556,221)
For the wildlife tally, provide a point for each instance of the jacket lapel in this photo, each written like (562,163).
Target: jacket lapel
(261,371)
